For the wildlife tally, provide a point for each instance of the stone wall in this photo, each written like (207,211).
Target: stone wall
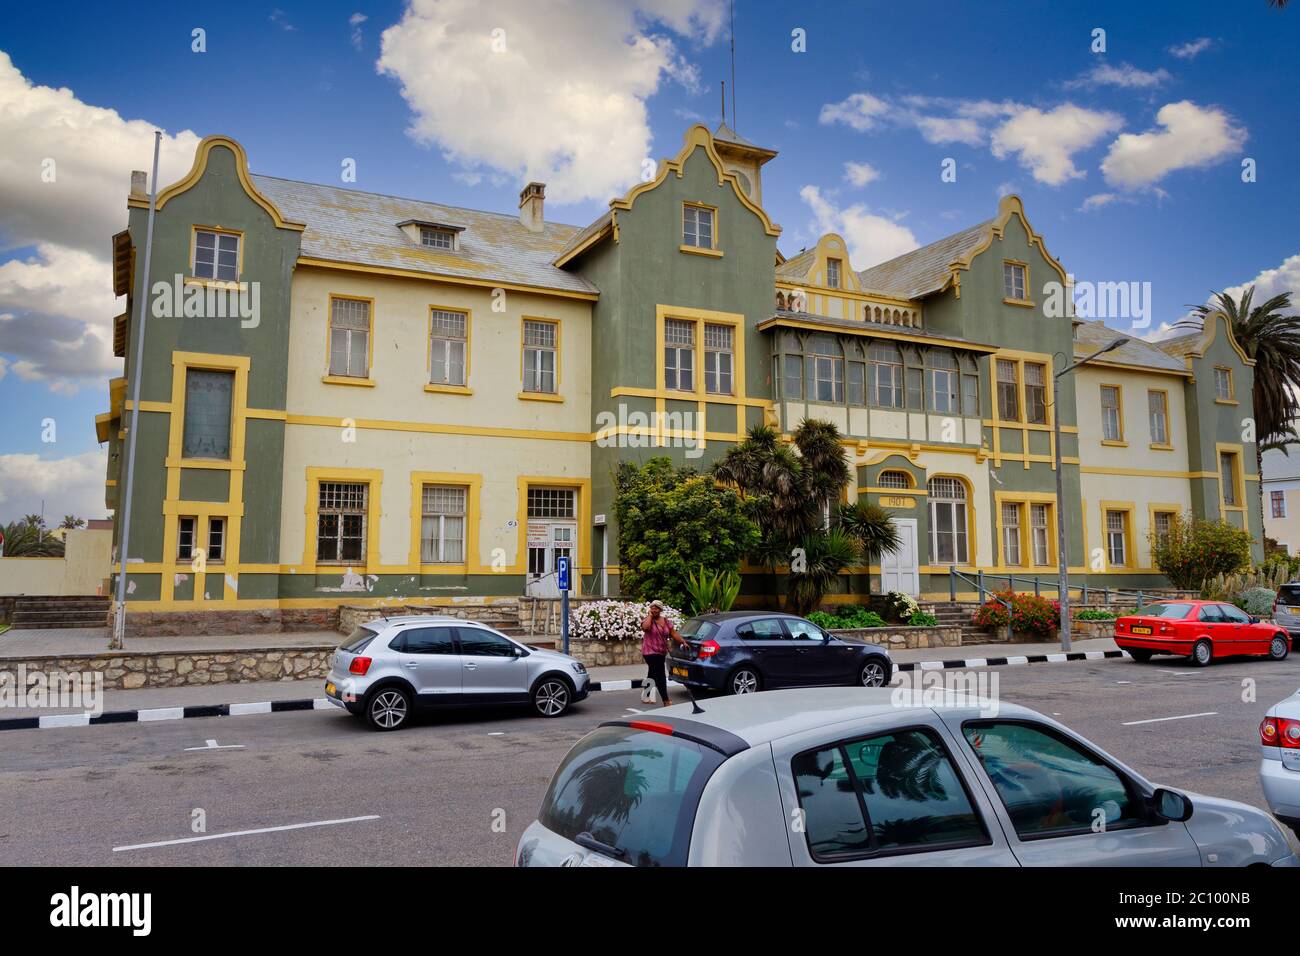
(898,637)
(502,613)
(128,671)
(203,623)
(605,653)
(1086,630)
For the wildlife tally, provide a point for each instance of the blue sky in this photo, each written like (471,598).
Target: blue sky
(1128,161)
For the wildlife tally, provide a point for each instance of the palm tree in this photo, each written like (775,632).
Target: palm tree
(814,573)
(874,529)
(1277,3)
(72,522)
(24,539)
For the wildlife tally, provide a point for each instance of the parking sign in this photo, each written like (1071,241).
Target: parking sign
(562,572)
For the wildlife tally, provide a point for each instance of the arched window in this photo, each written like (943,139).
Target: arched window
(895,479)
(948,543)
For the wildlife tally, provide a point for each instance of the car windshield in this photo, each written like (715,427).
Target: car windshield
(1169,611)
(699,629)
(358,639)
(633,790)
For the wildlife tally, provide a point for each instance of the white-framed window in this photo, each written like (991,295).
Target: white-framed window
(1038,527)
(1013,281)
(885,375)
(448,347)
(1228,478)
(697,226)
(679,355)
(1011,534)
(1008,391)
(216,539)
(894,479)
(970,386)
(943,381)
(341,521)
(719,359)
(541,340)
(349,337)
(1117,538)
(1223,384)
(185,531)
(857,383)
(827,378)
(1112,428)
(216,255)
(1158,414)
(435,238)
(206,429)
(792,378)
(947,521)
(442,524)
(1277,502)
(1036,393)
(833,273)
(551,502)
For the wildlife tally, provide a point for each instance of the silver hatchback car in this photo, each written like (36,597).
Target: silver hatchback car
(389,667)
(853,777)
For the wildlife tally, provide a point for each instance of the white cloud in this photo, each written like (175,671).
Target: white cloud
(951,129)
(357,36)
(1047,141)
(1125,76)
(59,301)
(1192,136)
(549,91)
(72,485)
(871,238)
(1098,201)
(1190,49)
(861,111)
(1271,282)
(860,174)
(280,19)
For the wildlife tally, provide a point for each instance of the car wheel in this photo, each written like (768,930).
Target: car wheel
(872,674)
(744,680)
(1202,653)
(551,697)
(1140,656)
(388,708)
(1279,647)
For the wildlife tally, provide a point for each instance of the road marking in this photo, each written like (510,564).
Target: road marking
(1123,682)
(496,733)
(235,833)
(633,710)
(1156,720)
(160,713)
(213,745)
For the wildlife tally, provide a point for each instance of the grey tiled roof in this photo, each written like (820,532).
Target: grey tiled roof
(925,270)
(1090,336)
(795,269)
(856,325)
(729,135)
(345,225)
(1278,466)
(583,235)
(1180,345)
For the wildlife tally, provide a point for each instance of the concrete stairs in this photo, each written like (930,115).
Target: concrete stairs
(60,612)
(958,614)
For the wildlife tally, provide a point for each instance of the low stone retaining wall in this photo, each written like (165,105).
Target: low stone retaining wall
(490,611)
(605,653)
(904,637)
(203,623)
(132,670)
(1085,630)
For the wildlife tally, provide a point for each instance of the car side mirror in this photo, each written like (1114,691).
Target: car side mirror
(1171,805)
(1254,619)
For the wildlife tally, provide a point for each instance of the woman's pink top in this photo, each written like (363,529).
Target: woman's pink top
(656,636)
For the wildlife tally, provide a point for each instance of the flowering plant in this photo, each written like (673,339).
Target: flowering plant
(901,606)
(1030,614)
(613,620)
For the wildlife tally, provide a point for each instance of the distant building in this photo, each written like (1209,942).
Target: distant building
(1281,490)
(356,398)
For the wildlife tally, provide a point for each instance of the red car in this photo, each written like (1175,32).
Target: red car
(1202,630)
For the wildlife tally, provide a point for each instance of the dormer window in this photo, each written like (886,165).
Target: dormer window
(436,238)
(833,273)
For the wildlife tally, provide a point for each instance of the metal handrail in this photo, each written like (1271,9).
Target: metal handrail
(1037,582)
(953,574)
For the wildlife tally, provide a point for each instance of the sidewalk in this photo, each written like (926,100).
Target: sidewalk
(210,695)
(94,640)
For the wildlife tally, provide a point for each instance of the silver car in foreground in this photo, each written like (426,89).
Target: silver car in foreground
(855,776)
(392,666)
(1279,768)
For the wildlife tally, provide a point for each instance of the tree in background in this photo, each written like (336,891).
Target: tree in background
(671,520)
(1194,550)
(72,522)
(29,539)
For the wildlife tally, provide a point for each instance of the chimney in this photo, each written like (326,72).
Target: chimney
(139,184)
(530,206)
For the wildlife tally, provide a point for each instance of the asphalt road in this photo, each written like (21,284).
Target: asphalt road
(457,789)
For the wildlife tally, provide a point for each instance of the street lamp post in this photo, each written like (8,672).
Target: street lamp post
(1062,556)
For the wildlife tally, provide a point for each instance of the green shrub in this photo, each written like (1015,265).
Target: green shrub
(846,618)
(1030,614)
(1258,601)
(1097,614)
(713,590)
(824,620)
(1195,550)
(900,606)
(923,619)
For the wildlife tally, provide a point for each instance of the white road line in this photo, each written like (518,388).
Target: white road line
(1156,720)
(235,833)
(496,733)
(1123,682)
(635,711)
(213,745)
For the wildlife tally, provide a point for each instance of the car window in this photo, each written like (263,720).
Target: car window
(907,784)
(1050,786)
(764,629)
(1289,594)
(476,642)
(429,640)
(804,630)
(1233,613)
(1210,614)
(698,629)
(358,639)
(1170,612)
(632,789)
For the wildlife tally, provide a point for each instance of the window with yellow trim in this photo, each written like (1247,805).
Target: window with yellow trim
(442,524)
(1117,538)
(349,337)
(1011,533)
(341,522)
(1158,414)
(208,397)
(540,353)
(1112,422)
(216,255)
(1008,391)
(1228,470)
(1036,393)
(719,358)
(697,226)
(1015,281)
(679,355)
(448,347)
(833,273)
(1223,391)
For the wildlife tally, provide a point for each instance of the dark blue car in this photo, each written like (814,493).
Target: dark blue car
(741,652)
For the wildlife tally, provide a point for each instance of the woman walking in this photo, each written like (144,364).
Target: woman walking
(658,632)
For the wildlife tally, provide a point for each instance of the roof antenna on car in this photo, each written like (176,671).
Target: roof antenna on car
(695,705)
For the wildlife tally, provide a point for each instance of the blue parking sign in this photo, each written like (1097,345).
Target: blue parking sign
(562,572)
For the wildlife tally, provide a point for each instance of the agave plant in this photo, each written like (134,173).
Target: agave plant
(712,590)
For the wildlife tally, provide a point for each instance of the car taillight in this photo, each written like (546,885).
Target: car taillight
(1168,629)
(359,665)
(709,648)
(1280,732)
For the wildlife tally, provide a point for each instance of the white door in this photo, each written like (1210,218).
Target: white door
(898,569)
(558,541)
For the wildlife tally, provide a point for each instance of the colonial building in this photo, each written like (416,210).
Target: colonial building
(350,398)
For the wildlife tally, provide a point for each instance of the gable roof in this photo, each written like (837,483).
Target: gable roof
(925,270)
(349,226)
(1089,336)
(795,269)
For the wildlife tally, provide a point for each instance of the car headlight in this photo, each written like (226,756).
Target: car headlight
(579,667)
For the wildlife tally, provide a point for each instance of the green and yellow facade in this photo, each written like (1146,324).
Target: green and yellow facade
(457,464)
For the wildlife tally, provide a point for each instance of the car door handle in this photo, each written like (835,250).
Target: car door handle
(412,664)
(470,667)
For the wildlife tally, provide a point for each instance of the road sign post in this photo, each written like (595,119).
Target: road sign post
(562,573)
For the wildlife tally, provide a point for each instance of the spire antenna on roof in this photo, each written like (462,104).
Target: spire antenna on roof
(724,102)
(733,69)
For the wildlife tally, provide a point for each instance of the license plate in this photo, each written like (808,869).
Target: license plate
(1139,629)
(330,688)
(680,672)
